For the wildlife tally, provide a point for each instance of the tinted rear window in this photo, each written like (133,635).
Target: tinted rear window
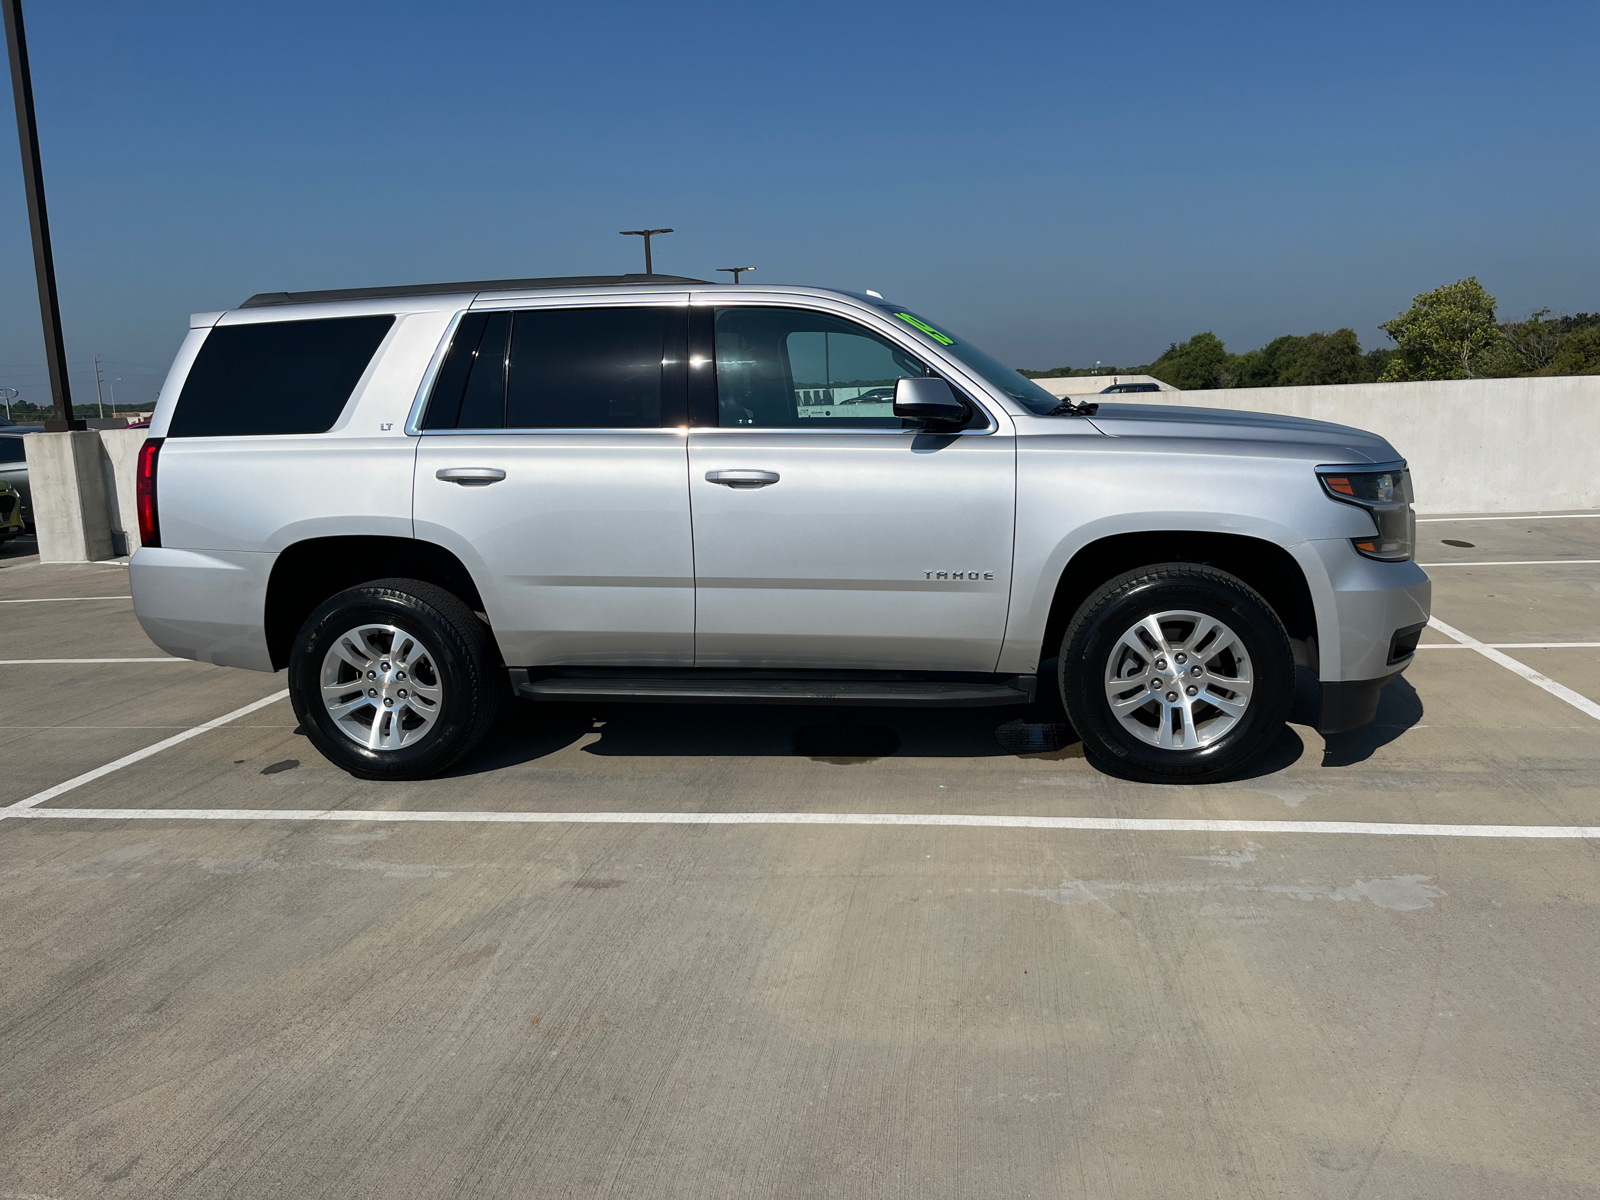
(572,368)
(11,450)
(276,377)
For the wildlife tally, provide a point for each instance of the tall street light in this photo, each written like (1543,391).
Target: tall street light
(735,271)
(646,234)
(44,265)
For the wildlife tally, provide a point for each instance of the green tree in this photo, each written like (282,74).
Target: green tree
(1448,333)
(1374,363)
(1578,354)
(1261,368)
(1324,358)
(1530,345)
(1201,362)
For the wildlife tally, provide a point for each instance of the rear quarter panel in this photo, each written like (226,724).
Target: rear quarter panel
(262,493)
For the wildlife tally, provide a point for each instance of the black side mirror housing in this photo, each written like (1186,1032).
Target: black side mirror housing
(929,399)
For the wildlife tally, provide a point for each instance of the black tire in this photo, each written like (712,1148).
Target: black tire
(466,669)
(1094,636)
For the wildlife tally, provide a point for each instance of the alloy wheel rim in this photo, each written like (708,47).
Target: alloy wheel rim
(380,686)
(1179,680)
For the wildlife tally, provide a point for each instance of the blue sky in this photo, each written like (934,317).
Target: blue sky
(1059,182)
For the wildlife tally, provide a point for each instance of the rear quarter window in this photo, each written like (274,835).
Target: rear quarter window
(276,377)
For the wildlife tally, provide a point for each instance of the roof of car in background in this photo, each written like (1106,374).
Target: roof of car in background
(269,299)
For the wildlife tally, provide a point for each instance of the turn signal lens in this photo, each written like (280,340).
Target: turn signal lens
(144,485)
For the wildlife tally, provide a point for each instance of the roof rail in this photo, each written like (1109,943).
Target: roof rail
(267,299)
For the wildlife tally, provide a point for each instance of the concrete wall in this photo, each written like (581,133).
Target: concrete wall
(120,454)
(1474,445)
(82,488)
(67,483)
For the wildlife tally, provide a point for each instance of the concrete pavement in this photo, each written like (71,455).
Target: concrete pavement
(203,1008)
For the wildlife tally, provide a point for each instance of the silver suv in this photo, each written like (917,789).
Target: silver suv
(423,500)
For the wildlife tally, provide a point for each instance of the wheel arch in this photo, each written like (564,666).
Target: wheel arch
(1266,566)
(308,572)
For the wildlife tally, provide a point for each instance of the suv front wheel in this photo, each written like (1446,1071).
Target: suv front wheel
(1178,673)
(395,679)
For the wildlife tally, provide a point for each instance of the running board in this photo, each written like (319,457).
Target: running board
(681,689)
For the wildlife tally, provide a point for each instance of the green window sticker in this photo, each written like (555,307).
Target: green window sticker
(927,329)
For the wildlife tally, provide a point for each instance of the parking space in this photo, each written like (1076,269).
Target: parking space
(629,950)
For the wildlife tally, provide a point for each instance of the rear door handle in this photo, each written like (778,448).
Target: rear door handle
(741,477)
(470,476)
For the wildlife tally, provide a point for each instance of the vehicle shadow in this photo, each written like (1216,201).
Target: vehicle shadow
(1399,709)
(844,736)
(849,736)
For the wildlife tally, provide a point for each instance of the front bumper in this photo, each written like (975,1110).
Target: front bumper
(1367,630)
(1368,603)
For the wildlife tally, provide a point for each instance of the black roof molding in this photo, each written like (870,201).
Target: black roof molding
(268,299)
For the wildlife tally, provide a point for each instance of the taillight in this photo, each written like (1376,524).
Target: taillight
(145,493)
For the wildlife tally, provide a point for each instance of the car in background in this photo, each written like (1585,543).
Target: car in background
(10,513)
(14,466)
(1131,387)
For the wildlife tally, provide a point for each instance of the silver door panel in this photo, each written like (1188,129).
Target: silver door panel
(850,558)
(582,551)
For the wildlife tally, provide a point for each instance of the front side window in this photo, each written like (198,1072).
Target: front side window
(790,368)
(563,368)
(994,372)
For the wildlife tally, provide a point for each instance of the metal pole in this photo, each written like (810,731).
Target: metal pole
(100,403)
(39,222)
(646,234)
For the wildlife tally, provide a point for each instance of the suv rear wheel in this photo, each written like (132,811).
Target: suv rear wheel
(395,679)
(1177,673)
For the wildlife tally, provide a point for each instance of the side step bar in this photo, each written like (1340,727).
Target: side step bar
(686,688)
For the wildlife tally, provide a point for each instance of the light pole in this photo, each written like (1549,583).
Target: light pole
(646,234)
(735,271)
(44,265)
(7,395)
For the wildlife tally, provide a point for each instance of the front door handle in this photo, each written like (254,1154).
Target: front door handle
(740,477)
(470,476)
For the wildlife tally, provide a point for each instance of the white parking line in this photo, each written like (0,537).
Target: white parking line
(37,662)
(1559,690)
(1524,562)
(127,760)
(1513,646)
(1534,517)
(63,599)
(945,820)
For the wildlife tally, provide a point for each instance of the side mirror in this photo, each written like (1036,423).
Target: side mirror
(929,399)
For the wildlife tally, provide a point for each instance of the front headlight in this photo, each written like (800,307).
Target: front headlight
(1385,492)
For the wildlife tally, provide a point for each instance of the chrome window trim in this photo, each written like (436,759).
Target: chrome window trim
(987,432)
(497,431)
(683,430)
(425,389)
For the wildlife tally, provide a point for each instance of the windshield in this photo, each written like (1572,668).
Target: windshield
(1021,389)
